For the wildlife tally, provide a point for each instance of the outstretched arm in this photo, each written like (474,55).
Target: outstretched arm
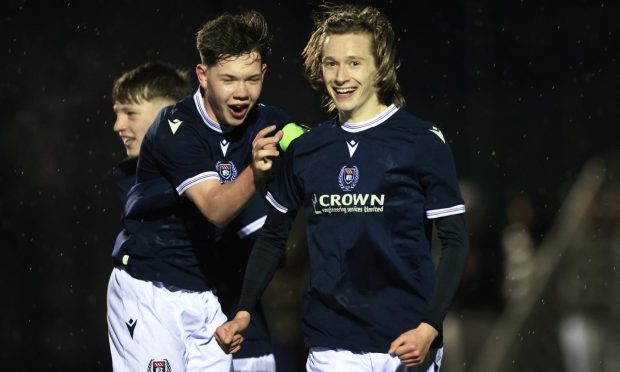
(267,253)
(412,346)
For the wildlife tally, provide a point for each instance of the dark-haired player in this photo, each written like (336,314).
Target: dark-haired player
(201,163)
(138,95)
(373,182)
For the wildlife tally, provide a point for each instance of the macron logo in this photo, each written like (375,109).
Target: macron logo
(224,146)
(174,125)
(352,147)
(131,325)
(438,133)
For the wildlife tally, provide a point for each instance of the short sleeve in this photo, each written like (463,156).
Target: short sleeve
(285,193)
(438,176)
(184,156)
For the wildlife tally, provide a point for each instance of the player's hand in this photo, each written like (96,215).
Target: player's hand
(412,346)
(264,149)
(229,335)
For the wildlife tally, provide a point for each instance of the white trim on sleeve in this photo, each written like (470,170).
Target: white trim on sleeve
(436,213)
(205,176)
(252,227)
(275,204)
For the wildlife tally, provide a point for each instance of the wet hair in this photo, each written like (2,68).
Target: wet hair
(151,81)
(233,35)
(347,19)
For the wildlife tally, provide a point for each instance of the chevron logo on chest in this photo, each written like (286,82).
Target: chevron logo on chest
(224,146)
(352,145)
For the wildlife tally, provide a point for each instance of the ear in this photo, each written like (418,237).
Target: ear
(201,74)
(263,70)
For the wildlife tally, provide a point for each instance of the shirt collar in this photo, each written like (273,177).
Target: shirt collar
(372,122)
(202,110)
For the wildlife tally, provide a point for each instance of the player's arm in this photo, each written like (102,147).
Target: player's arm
(412,346)
(267,254)
(220,203)
(454,239)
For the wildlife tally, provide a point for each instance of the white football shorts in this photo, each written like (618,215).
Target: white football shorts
(153,327)
(329,360)
(265,363)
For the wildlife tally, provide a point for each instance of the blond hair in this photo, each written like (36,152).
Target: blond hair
(345,19)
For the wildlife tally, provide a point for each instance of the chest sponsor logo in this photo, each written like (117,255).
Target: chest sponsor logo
(348,203)
(226,170)
(348,177)
(159,366)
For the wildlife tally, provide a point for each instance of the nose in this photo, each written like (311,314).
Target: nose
(119,124)
(241,92)
(342,75)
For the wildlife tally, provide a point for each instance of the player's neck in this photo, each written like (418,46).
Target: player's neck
(361,116)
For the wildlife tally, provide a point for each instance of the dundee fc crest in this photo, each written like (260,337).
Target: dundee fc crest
(227,171)
(348,177)
(159,366)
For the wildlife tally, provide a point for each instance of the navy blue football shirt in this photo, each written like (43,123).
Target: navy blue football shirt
(369,193)
(169,240)
(183,147)
(124,178)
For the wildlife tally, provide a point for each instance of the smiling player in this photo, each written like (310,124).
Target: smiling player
(373,183)
(195,208)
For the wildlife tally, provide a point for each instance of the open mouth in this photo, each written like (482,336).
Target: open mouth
(238,111)
(344,92)
(128,141)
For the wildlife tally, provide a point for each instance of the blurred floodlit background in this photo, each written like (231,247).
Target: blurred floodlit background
(525,91)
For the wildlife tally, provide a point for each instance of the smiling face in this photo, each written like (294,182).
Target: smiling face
(134,119)
(349,73)
(232,87)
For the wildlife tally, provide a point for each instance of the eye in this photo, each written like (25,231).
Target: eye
(329,64)
(355,63)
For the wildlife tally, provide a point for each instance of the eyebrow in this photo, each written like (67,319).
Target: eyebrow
(346,58)
(122,108)
(228,76)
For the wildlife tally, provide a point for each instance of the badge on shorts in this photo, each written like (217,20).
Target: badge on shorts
(159,366)
(227,171)
(348,177)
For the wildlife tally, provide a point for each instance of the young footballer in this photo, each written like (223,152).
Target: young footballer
(372,182)
(214,150)
(138,95)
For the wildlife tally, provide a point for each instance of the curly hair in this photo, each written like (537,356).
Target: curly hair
(344,19)
(233,35)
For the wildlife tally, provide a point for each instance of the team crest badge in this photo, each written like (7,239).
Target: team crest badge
(227,171)
(348,177)
(159,366)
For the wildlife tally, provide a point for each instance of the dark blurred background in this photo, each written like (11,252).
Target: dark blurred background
(526,92)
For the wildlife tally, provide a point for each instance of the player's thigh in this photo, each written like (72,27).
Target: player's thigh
(203,351)
(265,363)
(139,338)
